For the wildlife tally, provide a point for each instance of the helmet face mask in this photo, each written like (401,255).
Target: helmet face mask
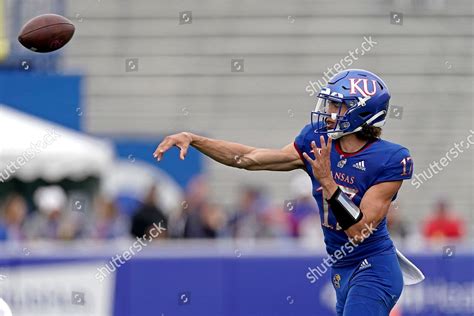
(322,113)
(365,106)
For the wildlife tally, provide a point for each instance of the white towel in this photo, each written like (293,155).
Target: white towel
(411,274)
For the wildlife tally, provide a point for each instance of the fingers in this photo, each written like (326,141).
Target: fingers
(167,144)
(308,158)
(325,147)
(322,141)
(161,149)
(158,154)
(329,144)
(315,149)
(183,152)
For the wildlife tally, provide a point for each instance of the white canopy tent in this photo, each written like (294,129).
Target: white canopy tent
(32,148)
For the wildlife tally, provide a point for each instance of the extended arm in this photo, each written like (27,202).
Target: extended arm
(234,154)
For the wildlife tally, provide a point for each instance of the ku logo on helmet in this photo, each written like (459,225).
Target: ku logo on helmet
(364,90)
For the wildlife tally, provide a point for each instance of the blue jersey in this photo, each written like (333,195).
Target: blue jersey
(378,161)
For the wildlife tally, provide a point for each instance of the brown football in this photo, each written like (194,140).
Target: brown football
(46,33)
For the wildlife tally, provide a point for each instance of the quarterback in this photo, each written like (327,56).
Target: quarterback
(355,177)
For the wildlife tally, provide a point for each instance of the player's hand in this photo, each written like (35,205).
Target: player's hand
(180,140)
(321,165)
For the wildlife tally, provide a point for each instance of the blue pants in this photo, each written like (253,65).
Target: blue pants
(371,288)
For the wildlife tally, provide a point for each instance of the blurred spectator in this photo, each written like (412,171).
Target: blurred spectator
(147,216)
(213,219)
(177,221)
(200,218)
(303,208)
(13,218)
(197,192)
(272,222)
(396,226)
(108,221)
(204,221)
(256,218)
(244,222)
(443,224)
(44,223)
(52,221)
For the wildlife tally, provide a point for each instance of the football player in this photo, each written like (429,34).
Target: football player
(355,176)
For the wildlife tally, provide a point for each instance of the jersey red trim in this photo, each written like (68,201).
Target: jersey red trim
(342,152)
(299,152)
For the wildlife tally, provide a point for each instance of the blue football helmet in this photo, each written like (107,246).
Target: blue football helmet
(365,95)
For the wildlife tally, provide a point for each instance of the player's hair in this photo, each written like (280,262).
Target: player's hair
(369,133)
